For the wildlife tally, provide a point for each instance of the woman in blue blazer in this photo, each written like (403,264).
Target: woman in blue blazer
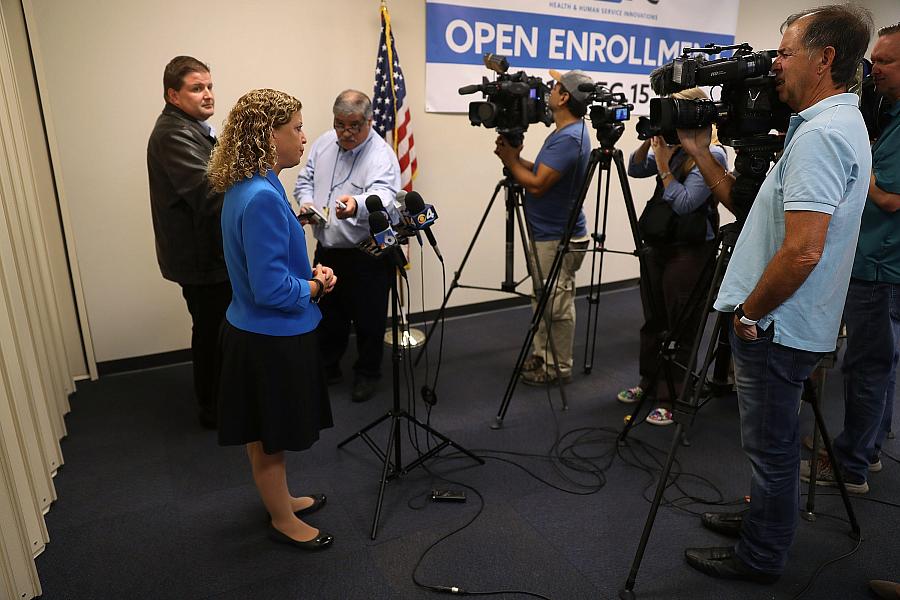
(272,394)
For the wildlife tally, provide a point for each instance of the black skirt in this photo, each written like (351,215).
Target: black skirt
(272,390)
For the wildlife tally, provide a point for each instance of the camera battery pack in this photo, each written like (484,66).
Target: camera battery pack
(447,496)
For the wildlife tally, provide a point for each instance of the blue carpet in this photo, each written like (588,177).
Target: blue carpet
(150,507)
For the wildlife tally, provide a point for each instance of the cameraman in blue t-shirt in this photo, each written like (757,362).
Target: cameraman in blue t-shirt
(552,183)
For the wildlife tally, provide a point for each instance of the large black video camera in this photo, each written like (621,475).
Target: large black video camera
(748,107)
(513,102)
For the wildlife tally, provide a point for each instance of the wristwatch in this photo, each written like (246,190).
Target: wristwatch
(742,316)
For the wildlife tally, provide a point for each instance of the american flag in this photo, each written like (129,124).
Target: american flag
(391,110)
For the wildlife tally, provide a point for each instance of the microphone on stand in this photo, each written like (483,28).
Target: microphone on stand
(386,238)
(406,219)
(423,215)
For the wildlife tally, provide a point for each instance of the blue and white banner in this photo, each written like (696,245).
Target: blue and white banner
(615,41)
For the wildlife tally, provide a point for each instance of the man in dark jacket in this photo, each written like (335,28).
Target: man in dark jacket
(186,215)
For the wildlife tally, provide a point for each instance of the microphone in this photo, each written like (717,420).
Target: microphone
(405,218)
(661,81)
(373,204)
(470,89)
(423,215)
(386,238)
(381,229)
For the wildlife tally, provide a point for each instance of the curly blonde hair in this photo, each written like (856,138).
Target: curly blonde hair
(245,146)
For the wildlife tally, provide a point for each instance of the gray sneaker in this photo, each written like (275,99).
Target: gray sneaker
(874,466)
(825,476)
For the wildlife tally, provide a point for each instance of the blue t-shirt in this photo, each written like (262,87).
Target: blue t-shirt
(567,151)
(878,250)
(265,252)
(824,168)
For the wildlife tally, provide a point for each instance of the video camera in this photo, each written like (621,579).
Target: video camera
(873,106)
(608,111)
(513,101)
(748,107)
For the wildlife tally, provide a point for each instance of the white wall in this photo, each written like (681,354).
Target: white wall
(102,69)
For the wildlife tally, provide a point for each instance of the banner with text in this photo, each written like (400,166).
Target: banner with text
(618,42)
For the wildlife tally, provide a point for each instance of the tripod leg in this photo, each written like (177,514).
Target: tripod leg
(385,472)
(458,273)
(628,592)
(532,256)
(574,213)
(362,432)
(599,247)
(445,441)
(810,514)
(631,420)
(838,475)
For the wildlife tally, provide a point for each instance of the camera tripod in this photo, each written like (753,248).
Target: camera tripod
(514,195)
(393,465)
(599,239)
(604,157)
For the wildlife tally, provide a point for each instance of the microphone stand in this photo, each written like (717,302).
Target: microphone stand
(410,337)
(391,457)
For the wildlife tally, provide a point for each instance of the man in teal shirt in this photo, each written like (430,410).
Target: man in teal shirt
(872,312)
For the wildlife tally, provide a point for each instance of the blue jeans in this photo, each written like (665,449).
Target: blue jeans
(872,315)
(769,379)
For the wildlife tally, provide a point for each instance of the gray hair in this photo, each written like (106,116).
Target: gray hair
(845,27)
(889,30)
(353,102)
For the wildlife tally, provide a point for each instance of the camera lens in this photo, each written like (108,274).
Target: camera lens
(757,64)
(483,113)
(675,113)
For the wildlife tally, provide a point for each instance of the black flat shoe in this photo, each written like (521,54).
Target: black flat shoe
(721,562)
(726,523)
(318,502)
(321,541)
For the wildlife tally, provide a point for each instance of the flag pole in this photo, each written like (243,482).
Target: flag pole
(409,337)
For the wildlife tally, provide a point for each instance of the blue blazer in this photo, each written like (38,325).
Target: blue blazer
(265,252)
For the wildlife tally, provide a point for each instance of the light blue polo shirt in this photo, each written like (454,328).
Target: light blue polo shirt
(825,167)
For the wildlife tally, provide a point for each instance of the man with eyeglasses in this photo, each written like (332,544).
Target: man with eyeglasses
(345,166)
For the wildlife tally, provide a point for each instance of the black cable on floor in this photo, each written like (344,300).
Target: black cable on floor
(452,589)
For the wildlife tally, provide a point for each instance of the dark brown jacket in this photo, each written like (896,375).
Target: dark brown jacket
(186,212)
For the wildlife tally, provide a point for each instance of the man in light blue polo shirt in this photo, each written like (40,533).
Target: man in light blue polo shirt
(788,275)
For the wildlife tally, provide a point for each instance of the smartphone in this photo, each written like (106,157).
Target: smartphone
(313,214)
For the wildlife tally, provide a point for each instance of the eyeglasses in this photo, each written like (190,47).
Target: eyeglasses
(353,128)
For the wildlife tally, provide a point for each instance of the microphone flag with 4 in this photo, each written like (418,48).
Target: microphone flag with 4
(390,107)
